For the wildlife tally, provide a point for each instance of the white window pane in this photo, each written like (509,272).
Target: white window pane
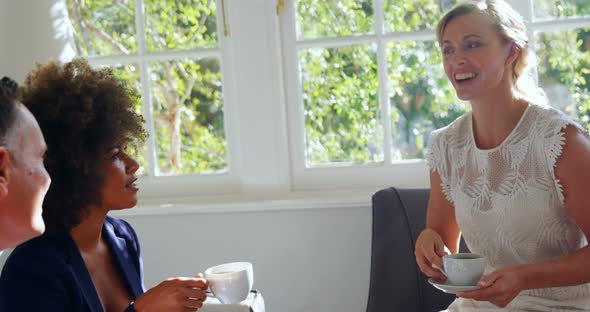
(181,24)
(188,116)
(561,8)
(334,18)
(130,73)
(564,60)
(420,95)
(103,27)
(403,15)
(341,106)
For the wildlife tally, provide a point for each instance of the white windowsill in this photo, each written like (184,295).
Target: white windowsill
(341,199)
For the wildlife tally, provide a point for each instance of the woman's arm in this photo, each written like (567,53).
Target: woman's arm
(440,216)
(441,231)
(573,172)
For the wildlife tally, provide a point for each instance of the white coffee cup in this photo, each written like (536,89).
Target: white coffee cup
(230,282)
(463,269)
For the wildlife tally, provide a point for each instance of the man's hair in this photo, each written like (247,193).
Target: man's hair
(8,102)
(81,111)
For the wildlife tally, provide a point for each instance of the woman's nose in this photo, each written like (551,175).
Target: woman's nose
(458,58)
(131,164)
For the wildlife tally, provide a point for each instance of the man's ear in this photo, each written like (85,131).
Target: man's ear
(4,171)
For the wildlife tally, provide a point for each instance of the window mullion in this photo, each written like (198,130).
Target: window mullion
(293,89)
(526,10)
(561,24)
(230,94)
(383,88)
(257,149)
(145,87)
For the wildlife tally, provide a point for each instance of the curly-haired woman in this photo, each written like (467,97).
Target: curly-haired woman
(86,260)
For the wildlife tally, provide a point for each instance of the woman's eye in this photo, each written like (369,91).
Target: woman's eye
(473,45)
(447,51)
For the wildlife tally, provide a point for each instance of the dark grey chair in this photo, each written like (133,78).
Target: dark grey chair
(396,284)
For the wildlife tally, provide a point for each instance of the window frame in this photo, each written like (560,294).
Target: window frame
(263,111)
(403,173)
(181,185)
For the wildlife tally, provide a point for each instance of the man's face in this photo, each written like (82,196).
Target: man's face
(23,181)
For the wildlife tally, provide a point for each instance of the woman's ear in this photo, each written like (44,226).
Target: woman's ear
(513,53)
(4,171)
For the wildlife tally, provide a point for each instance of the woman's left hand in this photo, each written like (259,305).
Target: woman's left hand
(498,287)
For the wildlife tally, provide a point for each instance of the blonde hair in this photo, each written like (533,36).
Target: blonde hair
(510,27)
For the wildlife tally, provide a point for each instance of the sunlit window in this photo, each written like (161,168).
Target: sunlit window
(169,51)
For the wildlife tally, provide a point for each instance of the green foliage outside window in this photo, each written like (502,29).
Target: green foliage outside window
(343,119)
(561,8)
(564,70)
(341,104)
(340,85)
(186,93)
(564,67)
(340,89)
(334,18)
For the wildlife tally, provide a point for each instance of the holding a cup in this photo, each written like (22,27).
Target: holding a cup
(463,269)
(230,282)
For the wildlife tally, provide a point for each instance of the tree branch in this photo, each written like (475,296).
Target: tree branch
(106,37)
(85,38)
(188,91)
(201,25)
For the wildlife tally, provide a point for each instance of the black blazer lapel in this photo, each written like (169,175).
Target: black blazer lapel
(82,276)
(124,258)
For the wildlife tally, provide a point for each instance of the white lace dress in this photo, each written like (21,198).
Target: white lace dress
(509,204)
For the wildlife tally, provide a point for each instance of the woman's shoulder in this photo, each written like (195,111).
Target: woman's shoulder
(458,127)
(553,122)
(44,254)
(117,223)
(122,229)
(43,246)
(42,266)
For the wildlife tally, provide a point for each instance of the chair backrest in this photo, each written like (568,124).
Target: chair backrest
(396,283)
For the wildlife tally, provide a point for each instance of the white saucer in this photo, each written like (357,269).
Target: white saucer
(450,289)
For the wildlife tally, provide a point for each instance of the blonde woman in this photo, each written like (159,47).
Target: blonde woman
(511,176)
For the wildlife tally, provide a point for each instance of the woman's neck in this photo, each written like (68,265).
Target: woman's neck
(494,117)
(88,234)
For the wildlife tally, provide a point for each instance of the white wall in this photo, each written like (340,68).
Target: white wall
(305,259)
(31,31)
(314,260)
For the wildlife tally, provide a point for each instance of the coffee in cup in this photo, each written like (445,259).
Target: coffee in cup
(463,269)
(230,282)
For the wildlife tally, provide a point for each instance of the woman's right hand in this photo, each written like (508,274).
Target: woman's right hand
(173,294)
(430,249)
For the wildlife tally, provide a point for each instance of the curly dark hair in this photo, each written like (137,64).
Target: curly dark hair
(81,111)
(8,96)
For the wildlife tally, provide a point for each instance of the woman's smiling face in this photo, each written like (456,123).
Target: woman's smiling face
(474,56)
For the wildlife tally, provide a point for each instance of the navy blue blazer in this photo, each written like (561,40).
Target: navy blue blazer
(48,273)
